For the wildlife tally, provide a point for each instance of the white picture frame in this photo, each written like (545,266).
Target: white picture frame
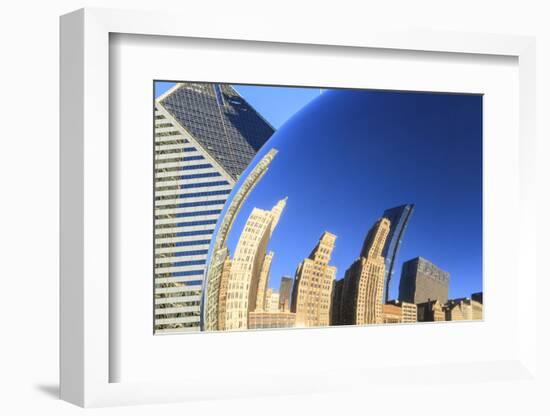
(85,178)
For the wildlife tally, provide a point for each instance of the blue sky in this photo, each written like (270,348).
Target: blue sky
(347,155)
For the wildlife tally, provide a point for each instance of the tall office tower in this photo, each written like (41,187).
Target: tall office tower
(422,281)
(399,219)
(430,311)
(247,264)
(285,293)
(205,136)
(364,280)
(211,296)
(312,293)
(336,304)
(260,302)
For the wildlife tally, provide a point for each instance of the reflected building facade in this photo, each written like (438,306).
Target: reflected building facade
(211,297)
(247,265)
(312,293)
(463,309)
(205,136)
(399,219)
(362,297)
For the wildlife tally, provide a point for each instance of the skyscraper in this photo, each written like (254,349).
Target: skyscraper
(364,280)
(312,293)
(422,281)
(285,293)
(399,218)
(205,136)
(247,264)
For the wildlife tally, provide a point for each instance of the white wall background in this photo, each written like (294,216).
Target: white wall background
(29,207)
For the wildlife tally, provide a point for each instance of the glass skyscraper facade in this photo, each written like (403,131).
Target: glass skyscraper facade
(399,218)
(205,137)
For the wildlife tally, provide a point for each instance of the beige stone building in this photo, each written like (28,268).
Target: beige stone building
(220,251)
(362,296)
(391,313)
(262,283)
(312,293)
(266,320)
(247,265)
(464,309)
(399,312)
(271,301)
(408,312)
(224,279)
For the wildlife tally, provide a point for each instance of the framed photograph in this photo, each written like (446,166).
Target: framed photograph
(318,214)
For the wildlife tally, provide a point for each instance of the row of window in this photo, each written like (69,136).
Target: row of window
(181,274)
(186,167)
(186,177)
(191,185)
(180,150)
(167,133)
(182,263)
(196,213)
(188,253)
(193,195)
(186,224)
(169,142)
(185,243)
(178,159)
(183,234)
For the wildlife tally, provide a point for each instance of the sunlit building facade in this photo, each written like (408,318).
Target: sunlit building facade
(396,311)
(247,264)
(211,297)
(205,136)
(312,292)
(261,296)
(271,301)
(271,320)
(463,309)
(363,289)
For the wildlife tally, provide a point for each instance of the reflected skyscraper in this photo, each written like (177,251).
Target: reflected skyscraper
(213,298)
(247,265)
(399,219)
(312,293)
(364,280)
